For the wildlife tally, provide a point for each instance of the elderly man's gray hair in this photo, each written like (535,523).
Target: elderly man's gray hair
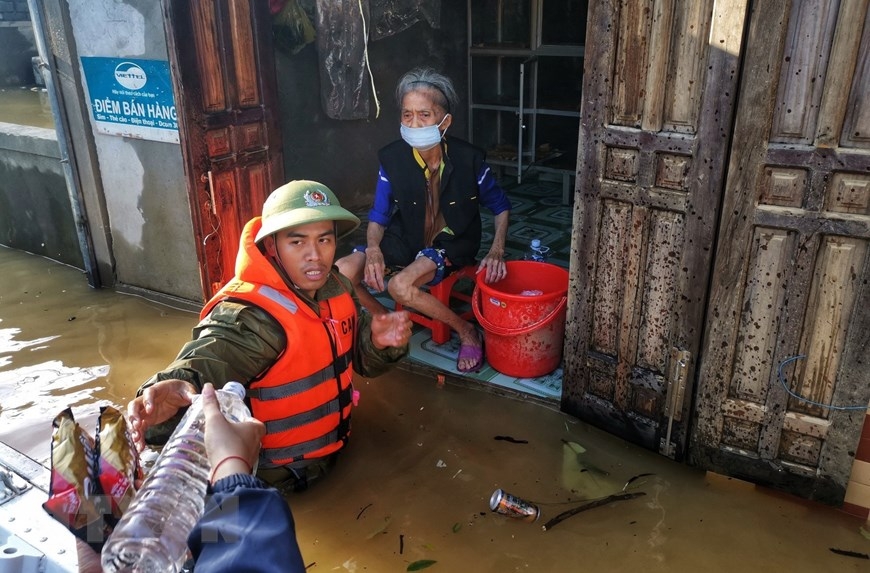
(427,78)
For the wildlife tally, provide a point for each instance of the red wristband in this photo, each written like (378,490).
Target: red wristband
(217,465)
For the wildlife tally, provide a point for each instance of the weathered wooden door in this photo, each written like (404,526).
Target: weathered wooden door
(791,274)
(226,91)
(659,91)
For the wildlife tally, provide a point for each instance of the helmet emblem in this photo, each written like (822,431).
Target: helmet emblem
(316,199)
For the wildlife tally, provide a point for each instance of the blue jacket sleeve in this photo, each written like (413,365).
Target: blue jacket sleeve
(492,196)
(247,526)
(383,202)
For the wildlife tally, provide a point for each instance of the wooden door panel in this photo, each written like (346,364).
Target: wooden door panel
(230,136)
(782,374)
(244,58)
(205,33)
(226,190)
(659,89)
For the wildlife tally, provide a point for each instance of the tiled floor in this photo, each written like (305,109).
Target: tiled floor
(537,212)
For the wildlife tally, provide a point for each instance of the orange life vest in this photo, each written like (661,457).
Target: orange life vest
(305,398)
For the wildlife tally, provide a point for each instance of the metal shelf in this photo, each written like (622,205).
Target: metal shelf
(519,85)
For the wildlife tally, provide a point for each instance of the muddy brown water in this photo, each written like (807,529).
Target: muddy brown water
(27,105)
(415,482)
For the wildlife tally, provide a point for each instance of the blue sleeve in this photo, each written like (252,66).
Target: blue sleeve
(492,196)
(247,526)
(382,205)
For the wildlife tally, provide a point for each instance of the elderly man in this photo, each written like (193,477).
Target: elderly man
(425,219)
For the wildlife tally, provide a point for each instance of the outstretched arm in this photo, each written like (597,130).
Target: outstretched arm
(156,404)
(246,524)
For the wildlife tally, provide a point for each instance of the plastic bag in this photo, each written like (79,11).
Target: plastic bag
(393,16)
(291,28)
(92,481)
(341,49)
(72,495)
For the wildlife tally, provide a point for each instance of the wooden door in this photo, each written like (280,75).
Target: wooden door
(659,91)
(791,274)
(226,92)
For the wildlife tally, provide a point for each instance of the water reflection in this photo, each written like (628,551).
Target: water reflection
(424,457)
(63,344)
(26,105)
(33,394)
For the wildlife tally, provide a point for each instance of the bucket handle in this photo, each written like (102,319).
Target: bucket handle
(501,330)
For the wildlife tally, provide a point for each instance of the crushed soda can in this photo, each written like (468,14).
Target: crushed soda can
(506,504)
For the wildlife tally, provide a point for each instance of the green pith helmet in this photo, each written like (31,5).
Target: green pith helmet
(301,202)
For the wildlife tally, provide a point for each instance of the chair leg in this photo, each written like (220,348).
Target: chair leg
(440,332)
(443,291)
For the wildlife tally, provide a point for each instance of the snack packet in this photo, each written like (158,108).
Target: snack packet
(116,462)
(72,497)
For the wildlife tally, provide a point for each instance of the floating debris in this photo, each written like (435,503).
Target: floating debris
(638,476)
(358,515)
(591,505)
(578,449)
(511,439)
(421,564)
(847,553)
(513,506)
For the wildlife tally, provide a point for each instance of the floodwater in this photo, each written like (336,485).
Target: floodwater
(27,105)
(415,482)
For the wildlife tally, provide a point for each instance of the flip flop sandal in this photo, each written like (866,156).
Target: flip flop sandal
(468,351)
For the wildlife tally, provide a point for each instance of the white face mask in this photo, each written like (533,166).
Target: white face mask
(423,138)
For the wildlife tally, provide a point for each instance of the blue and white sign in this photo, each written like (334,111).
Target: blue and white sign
(132,97)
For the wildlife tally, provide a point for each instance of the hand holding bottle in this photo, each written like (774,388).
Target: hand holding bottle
(152,534)
(232,447)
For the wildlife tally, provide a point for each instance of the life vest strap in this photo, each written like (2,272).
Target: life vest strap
(298,451)
(340,364)
(297,420)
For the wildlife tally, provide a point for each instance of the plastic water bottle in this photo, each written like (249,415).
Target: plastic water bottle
(537,252)
(152,534)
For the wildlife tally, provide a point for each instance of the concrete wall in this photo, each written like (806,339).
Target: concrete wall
(143,181)
(16,44)
(35,212)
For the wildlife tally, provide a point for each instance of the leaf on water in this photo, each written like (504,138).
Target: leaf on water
(456,527)
(421,564)
(578,449)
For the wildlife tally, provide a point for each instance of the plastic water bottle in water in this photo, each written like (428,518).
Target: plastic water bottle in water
(152,534)
(537,252)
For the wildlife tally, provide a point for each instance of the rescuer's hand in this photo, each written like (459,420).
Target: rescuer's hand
(391,329)
(158,403)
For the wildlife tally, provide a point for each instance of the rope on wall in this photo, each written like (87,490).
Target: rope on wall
(368,65)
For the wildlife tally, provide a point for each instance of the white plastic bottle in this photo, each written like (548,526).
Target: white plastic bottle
(152,534)
(537,252)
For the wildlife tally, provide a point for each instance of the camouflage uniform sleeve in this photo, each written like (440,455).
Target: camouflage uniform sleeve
(367,359)
(235,341)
